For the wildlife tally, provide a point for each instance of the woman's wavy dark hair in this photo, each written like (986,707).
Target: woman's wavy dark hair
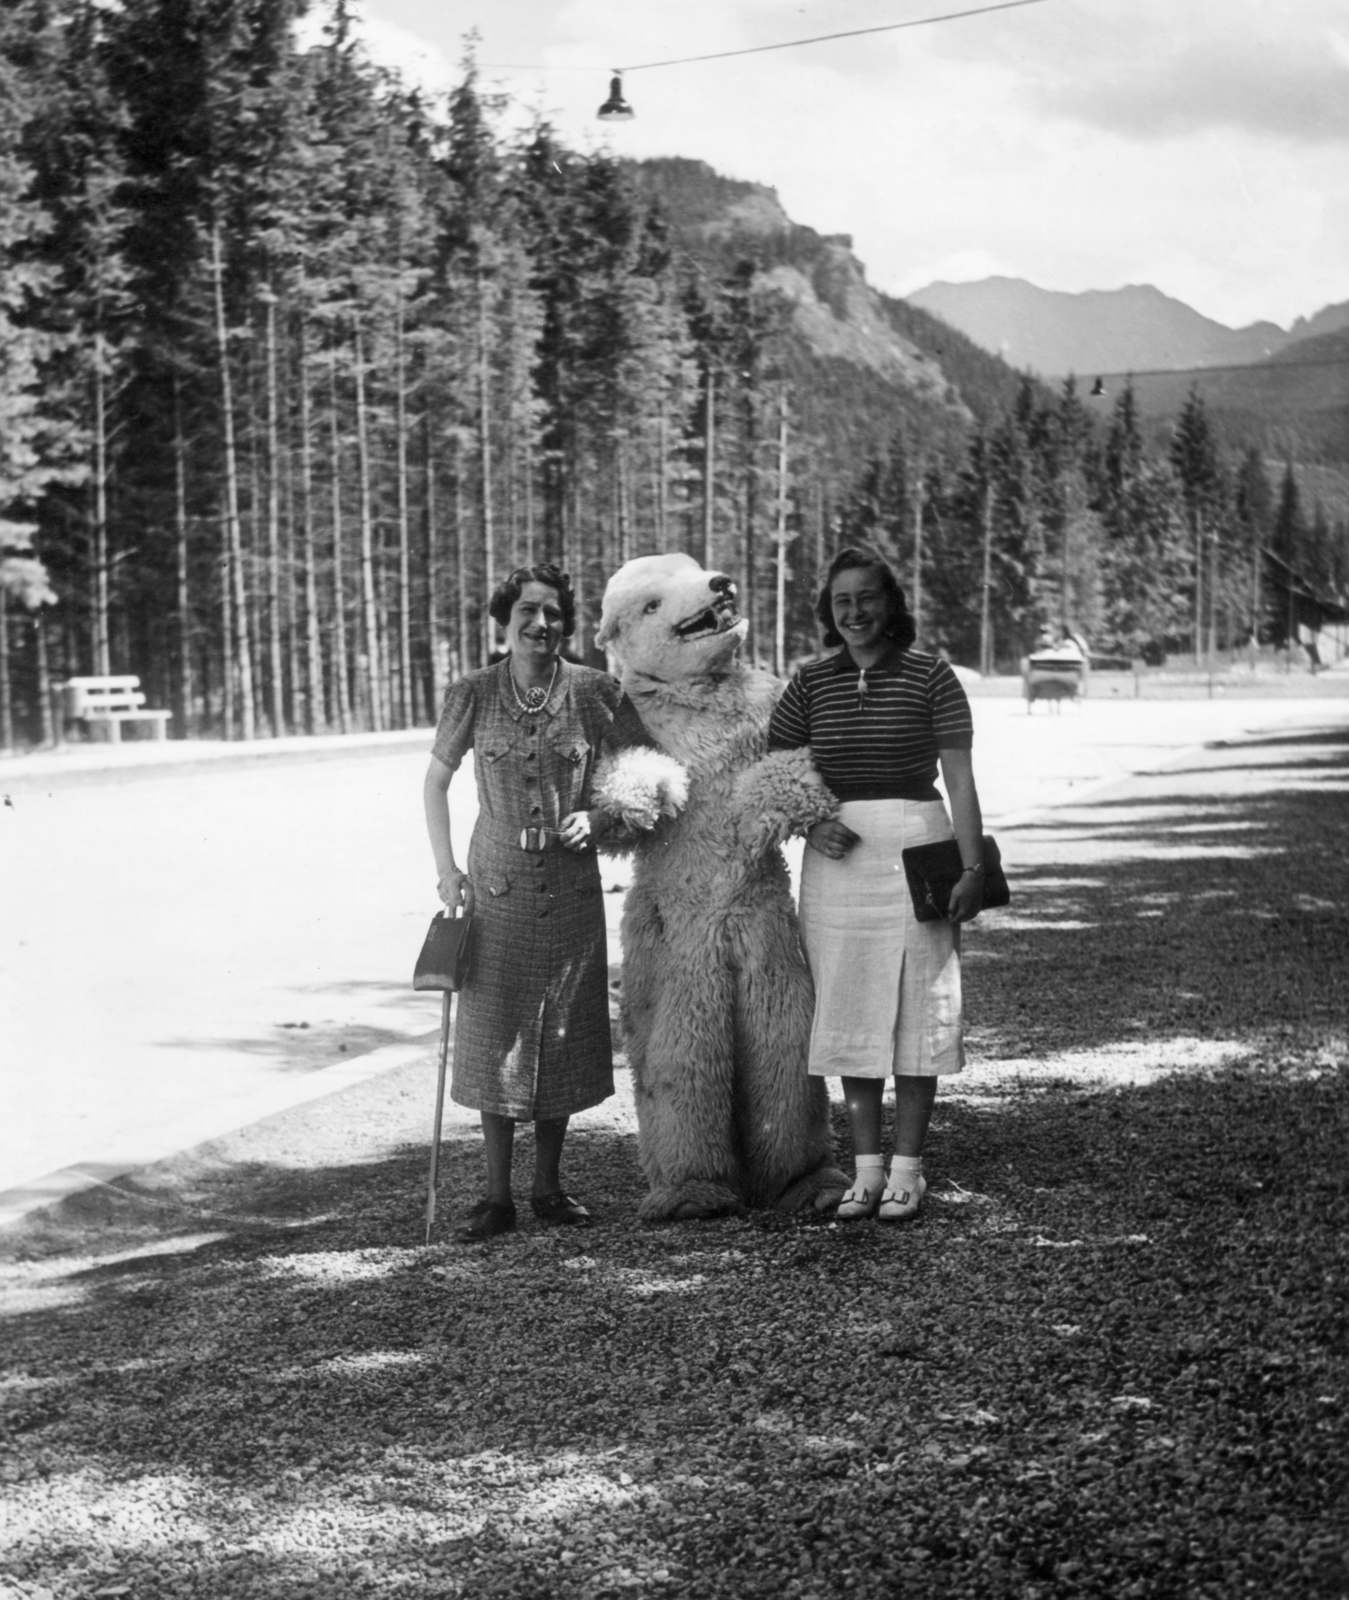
(509,590)
(898,627)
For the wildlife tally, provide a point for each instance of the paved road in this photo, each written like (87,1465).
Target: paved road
(192,940)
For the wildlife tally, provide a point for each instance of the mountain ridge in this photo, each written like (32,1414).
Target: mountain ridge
(867,364)
(1134,328)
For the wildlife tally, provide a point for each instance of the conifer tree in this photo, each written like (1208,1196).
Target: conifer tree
(1194,460)
(30,437)
(1288,539)
(1253,509)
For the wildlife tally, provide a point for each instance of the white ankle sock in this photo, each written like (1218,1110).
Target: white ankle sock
(905,1171)
(870,1173)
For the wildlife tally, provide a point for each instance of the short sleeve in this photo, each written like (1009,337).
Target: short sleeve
(454,731)
(952,723)
(789,728)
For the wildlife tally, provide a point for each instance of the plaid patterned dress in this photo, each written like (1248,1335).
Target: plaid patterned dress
(532,1036)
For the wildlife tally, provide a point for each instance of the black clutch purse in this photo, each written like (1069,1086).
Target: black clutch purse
(933,870)
(448,950)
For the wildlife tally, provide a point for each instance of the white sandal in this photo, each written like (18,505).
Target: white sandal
(898,1205)
(858,1203)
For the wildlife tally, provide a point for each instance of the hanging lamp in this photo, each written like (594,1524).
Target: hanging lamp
(616,108)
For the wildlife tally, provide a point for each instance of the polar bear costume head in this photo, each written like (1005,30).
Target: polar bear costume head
(668,618)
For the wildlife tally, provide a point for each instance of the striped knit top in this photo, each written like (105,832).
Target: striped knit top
(875,735)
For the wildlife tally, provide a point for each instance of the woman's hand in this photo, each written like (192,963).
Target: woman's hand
(832,838)
(967,897)
(580,830)
(450,887)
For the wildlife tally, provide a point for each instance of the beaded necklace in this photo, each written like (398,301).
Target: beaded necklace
(536,698)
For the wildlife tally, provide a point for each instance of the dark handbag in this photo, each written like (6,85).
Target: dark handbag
(933,870)
(447,953)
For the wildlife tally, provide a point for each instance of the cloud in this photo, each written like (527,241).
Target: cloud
(1152,69)
(1282,88)
(1077,143)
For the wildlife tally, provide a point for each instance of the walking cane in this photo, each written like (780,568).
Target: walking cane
(443,964)
(446,1001)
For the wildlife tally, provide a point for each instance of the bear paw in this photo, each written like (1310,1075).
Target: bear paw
(820,1190)
(690,1201)
(780,796)
(639,786)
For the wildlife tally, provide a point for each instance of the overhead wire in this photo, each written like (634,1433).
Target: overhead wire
(825,38)
(785,44)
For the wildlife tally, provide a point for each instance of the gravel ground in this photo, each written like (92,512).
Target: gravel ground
(1108,1359)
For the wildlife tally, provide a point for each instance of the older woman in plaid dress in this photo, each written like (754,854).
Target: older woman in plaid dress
(532,1037)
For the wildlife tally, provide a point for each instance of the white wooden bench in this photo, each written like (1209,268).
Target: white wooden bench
(104,704)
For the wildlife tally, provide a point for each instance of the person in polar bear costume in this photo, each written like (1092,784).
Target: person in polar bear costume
(717,997)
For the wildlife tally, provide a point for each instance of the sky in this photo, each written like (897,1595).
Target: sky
(1201,146)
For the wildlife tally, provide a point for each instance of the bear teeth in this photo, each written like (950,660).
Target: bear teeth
(704,622)
(714,620)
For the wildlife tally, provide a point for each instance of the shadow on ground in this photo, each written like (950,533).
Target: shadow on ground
(305,1042)
(1108,1359)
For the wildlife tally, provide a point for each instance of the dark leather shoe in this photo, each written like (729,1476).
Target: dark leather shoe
(487,1219)
(560,1209)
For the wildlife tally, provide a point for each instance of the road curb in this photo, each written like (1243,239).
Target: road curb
(169,1139)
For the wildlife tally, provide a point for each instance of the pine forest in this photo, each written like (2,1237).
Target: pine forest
(297,363)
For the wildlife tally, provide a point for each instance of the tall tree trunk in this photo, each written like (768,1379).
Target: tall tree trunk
(985,621)
(485,463)
(226,640)
(751,517)
(369,599)
(404,530)
(233,535)
(102,651)
(186,693)
(6,689)
(709,465)
(512,514)
(460,546)
(622,517)
(530,556)
(341,672)
(275,663)
(51,725)
(1197,532)
(433,644)
(1255,587)
(780,585)
(296,690)
(662,495)
(315,710)
(918,550)
(254,525)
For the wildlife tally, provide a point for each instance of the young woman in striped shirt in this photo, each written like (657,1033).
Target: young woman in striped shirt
(880,718)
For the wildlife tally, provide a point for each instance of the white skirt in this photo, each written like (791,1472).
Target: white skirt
(887,987)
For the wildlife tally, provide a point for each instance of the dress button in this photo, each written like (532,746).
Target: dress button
(544,912)
(532,756)
(543,888)
(536,811)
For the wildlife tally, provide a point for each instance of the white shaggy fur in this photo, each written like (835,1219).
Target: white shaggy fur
(717,998)
(641,786)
